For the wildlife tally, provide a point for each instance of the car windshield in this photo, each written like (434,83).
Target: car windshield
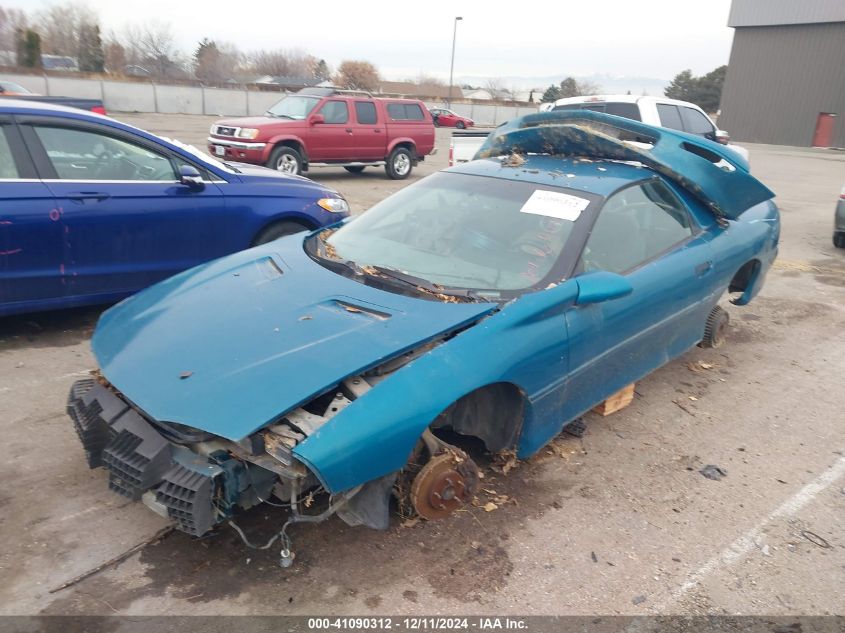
(296,107)
(462,231)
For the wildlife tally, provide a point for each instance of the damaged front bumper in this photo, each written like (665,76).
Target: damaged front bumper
(193,478)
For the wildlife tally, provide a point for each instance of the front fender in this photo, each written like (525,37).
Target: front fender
(523,344)
(281,138)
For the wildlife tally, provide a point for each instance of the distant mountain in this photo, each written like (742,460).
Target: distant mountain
(608,84)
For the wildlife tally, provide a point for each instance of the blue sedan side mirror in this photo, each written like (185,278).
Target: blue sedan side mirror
(191,177)
(601,286)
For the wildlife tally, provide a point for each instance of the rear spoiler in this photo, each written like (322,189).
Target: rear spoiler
(713,173)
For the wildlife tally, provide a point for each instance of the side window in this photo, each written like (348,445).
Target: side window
(365,112)
(697,123)
(569,106)
(627,110)
(669,116)
(405,111)
(8,168)
(335,112)
(635,225)
(595,107)
(85,155)
(413,112)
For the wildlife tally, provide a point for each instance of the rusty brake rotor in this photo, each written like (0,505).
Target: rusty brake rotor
(445,483)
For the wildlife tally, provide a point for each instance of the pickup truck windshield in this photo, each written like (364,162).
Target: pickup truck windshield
(463,231)
(295,107)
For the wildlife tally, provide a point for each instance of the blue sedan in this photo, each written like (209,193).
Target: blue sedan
(499,299)
(94,210)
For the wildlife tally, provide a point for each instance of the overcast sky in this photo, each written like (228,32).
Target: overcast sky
(650,38)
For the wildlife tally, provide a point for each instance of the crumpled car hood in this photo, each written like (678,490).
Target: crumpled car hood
(229,346)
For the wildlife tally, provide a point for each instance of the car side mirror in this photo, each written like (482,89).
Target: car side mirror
(600,286)
(722,137)
(314,119)
(191,177)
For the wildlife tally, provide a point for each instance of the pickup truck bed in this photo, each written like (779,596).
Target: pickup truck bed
(465,143)
(91,105)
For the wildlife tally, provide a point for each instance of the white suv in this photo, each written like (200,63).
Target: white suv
(659,111)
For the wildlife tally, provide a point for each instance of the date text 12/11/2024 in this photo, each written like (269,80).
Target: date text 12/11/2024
(417,624)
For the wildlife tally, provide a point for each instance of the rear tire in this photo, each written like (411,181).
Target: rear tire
(460,125)
(286,160)
(839,239)
(399,164)
(277,230)
(354,169)
(715,330)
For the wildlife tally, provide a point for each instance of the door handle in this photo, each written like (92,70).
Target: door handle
(376,130)
(703,268)
(349,130)
(82,196)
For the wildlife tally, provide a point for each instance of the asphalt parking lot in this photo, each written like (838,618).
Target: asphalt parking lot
(617,522)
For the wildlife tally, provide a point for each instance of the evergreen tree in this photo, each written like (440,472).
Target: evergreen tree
(207,60)
(321,70)
(91,56)
(683,86)
(552,93)
(28,48)
(569,88)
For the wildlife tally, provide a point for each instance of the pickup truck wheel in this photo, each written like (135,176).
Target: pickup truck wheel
(460,125)
(399,164)
(839,239)
(355,169)
(277,230)
(286,160)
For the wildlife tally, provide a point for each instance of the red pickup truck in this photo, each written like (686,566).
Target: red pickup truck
(326,126)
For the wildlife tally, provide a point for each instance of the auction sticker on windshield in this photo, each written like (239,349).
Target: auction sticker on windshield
(555,205)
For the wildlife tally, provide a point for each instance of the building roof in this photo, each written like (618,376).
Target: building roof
(779,12)
(288,80)
(427,90)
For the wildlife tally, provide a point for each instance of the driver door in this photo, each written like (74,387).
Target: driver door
(126,220)
(645,233)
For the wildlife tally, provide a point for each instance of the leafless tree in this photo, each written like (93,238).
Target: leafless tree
(152,46)
(114,54)
(282,62)
(10,21)
(61,26)
(357,75)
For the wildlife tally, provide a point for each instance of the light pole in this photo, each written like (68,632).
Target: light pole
(452,66)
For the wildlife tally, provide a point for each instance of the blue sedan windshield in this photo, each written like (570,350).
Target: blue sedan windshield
(465,231)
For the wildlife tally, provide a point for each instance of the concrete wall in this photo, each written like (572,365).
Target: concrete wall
(126,96)
(780,78)
(486,113)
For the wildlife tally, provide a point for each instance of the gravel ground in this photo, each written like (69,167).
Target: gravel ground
(617,522)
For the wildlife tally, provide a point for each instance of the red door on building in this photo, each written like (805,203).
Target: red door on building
(823,136)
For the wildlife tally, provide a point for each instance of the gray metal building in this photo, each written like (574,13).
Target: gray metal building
(786,76)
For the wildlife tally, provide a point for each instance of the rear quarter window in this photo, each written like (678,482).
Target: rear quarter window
(405,112)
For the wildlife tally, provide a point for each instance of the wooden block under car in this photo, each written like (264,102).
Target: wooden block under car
(618,400)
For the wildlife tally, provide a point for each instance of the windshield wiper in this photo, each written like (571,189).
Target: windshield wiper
(424,284)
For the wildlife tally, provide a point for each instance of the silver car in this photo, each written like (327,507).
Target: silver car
(839,222)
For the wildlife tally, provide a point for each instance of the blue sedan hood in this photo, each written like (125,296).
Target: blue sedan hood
(229,346)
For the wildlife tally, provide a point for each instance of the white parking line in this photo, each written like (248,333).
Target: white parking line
(748,541)
(38,383)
